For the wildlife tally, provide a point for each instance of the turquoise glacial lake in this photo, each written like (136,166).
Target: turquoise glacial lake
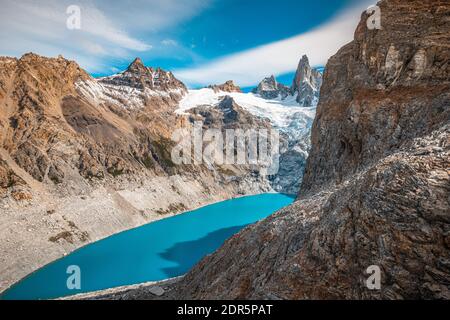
(160,250)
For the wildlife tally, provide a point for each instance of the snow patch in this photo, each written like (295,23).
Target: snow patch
(124,96)
(281,113)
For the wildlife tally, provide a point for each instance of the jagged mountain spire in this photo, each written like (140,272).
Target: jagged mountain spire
(269,88)
(137,66)
(307,83)
(138,76)
(305,86)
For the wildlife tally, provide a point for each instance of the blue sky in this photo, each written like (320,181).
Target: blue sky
(201,41)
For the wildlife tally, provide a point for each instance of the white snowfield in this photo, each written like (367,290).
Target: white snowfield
(278,111)
(285,115)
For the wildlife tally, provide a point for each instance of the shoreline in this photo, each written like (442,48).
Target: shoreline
(152,289)
(89,213)
(152,220)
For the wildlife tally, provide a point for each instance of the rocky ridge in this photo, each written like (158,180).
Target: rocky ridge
(269,88)
(228,86)
(307,83)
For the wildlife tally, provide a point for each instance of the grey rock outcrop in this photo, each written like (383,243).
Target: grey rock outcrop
(227,115)
(269,88)
(307,83)
(228,86)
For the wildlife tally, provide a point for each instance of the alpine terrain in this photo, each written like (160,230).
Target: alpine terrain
(83,158)
(377,183)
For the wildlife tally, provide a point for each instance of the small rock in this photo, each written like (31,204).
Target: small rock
(157,291)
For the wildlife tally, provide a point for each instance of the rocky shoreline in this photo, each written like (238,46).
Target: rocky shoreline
(46,229)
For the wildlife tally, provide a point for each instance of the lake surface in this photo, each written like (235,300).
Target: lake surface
(160,250)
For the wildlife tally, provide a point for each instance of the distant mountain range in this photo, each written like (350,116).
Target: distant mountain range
(289,110)
(305,86)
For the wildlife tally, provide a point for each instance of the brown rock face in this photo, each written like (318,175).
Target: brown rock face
(228,86)
(8,178)
(382,90)
(56,119)
(377,184)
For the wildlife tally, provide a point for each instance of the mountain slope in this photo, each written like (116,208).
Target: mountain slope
(84,158)
(285,115)
(377,181)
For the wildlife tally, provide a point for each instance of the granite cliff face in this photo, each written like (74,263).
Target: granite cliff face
(377,183)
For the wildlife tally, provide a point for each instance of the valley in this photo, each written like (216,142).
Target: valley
(85,158)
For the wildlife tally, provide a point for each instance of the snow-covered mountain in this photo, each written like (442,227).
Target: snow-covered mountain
(293,122)
(136,87)
(269,88)
(305,87)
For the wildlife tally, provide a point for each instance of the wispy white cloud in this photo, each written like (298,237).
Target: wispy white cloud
(95,23)
(249,67)
(169,42)
(110,31)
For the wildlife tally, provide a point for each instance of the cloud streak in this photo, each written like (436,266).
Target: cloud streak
(110,31)
(249,67)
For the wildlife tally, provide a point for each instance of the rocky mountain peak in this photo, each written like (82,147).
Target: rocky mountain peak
(307,83)
(137,66)
(269,88)
(269,83)
(140,77)
(305,86)
(304,62)
(228,86)
(230,109)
